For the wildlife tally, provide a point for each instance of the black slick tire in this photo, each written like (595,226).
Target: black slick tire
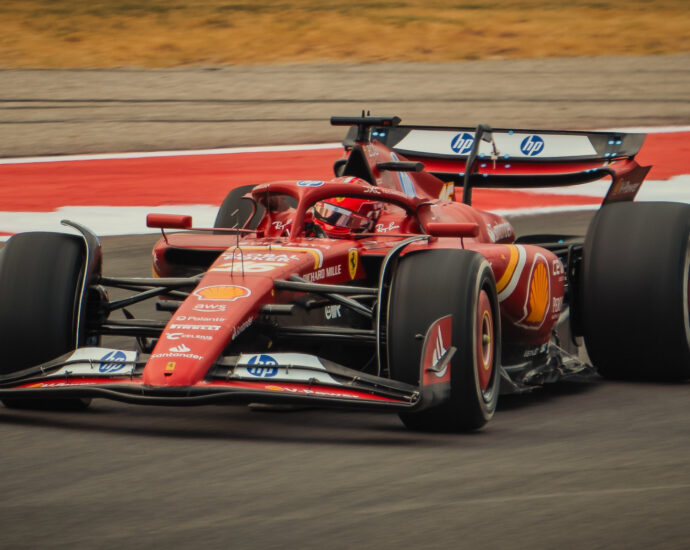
(634,295)
(40,281)
(426,286)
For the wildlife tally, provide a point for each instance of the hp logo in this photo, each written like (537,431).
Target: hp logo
(462,143)
(531,146)
(265,366)
(118,359)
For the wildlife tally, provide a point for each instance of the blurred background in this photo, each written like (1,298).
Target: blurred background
(168,74)
(586,464)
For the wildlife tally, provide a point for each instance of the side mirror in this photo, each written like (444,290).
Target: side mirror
(169,221)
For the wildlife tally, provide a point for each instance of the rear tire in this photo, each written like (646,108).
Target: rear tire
(40,281)
(634,296)
(429,285)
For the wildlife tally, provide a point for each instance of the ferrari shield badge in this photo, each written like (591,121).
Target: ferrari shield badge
(352,262)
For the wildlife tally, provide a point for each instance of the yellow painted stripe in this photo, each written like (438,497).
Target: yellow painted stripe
(512,262)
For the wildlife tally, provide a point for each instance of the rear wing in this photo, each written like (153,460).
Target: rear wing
(486,157)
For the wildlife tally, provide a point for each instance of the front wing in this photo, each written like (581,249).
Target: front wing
(277,379)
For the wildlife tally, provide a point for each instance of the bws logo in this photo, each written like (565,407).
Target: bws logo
(210,307)
(462,143)
(531,146)
(112,361)
(222,293)
(266,366)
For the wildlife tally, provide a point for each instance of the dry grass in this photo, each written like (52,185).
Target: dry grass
(168,33)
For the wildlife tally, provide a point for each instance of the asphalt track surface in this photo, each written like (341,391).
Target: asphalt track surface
(78,111)
(582,464)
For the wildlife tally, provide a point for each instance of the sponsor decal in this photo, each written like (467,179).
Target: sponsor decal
(372,151)
(169,368)
(462,143)
(298,367)
(241,328)
(281,226)
(533,352)
(436,344)
(247,266)
(333,312)
(222,293)
(539,294)
(500,231)
(439,351)
(557,304)
(264,366)
(317,393)
(263,257)
(532,145)
(447,192)
(352,262)
(182,336)
(625,186)
(304,247)
(210,307)
(177,326)
(381,228)
(112,361)
(309,183)
(200,319)
(323,273)
(90,361)
(180,349)
(174,355)
(558,267)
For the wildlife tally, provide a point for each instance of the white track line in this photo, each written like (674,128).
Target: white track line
(155,154)
(263,149)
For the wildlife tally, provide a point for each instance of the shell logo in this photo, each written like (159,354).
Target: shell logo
(539,293)
(222,293)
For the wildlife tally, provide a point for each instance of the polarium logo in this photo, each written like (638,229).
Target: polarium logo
(265,366)
(531,146)
(112,361)
(462,143)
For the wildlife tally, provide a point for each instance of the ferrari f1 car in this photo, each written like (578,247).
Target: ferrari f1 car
(374,290)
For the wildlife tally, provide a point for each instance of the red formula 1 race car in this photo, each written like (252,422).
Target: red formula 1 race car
(374,290)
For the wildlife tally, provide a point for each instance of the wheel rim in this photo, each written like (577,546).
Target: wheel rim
(484,357)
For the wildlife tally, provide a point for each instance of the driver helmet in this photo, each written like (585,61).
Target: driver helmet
(342,215)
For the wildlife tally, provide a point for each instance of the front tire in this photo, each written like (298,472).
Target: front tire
(429,285)
(40,283)
(635,287)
